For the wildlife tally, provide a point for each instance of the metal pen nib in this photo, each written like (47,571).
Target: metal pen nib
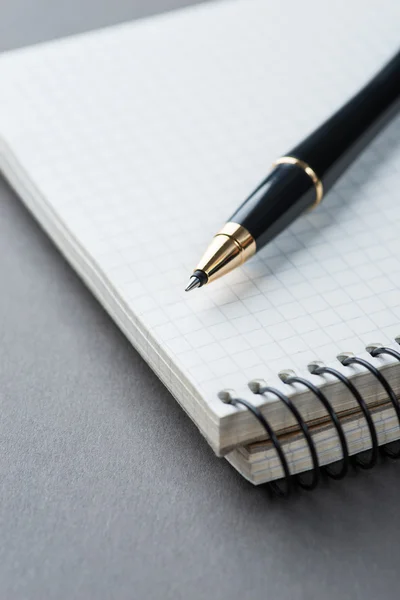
(229,248)
(194,283)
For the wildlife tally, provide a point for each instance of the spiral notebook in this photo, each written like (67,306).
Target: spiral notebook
(131,146)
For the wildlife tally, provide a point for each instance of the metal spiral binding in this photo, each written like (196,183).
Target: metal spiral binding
(319,369)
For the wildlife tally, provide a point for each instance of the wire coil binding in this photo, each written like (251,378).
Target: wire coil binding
(285,486)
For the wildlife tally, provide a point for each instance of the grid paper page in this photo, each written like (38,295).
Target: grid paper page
(133,145)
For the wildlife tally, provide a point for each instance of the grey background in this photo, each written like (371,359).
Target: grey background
(107,489)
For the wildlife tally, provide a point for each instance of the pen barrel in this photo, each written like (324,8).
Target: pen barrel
(317,162)
(331,148)
(279,199)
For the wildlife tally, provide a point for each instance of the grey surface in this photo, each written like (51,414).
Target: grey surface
(107,490)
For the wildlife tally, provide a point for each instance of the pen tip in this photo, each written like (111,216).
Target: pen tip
(193,283)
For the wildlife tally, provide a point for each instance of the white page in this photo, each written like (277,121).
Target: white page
(133,145)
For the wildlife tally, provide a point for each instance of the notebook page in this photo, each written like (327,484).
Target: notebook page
(133,145)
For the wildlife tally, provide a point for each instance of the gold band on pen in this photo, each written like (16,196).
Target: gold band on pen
(319,188)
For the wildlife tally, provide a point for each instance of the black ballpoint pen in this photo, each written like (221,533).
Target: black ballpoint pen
(299,180)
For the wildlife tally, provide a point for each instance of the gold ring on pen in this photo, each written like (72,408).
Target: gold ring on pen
(319,188)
